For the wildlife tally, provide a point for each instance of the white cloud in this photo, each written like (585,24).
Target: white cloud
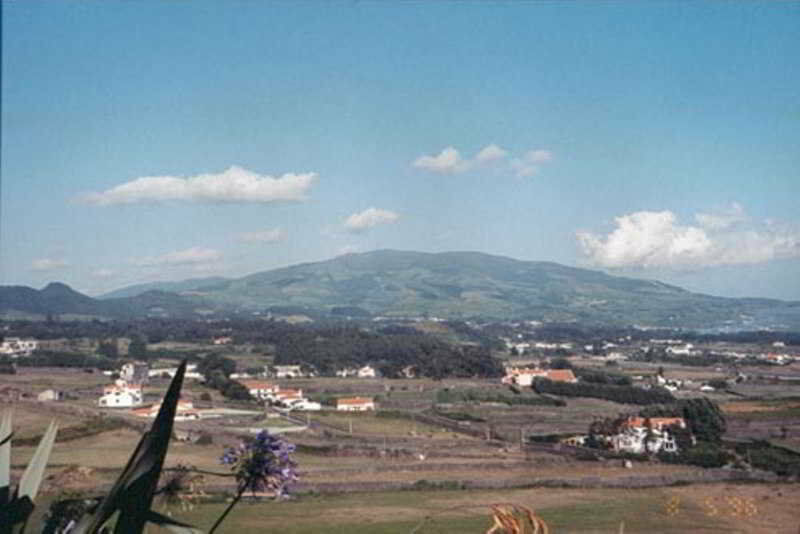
(369,218)
(190,256)
(656,239)
(448,161)
(529,164)
(490,153)
(722,219)
(103,273)
(233,185)
(264,236)
(48,264)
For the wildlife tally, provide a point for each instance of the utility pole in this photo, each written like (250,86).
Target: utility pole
(351,425)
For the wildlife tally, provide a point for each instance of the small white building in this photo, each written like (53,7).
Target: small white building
(16,346)
(260,389)
(120,397)
(355,404)
(49,395)
(289,371)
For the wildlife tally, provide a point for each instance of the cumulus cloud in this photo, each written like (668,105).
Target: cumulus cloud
(530,162)
(450,161)
(723,218)
(235,185)
(263,236)
(48,264)
(190,256)
(656,239)
(369,218)
(490,153)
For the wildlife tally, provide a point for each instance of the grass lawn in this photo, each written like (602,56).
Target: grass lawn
(675,510)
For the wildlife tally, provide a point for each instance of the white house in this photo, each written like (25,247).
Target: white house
(355,404)
(525,377)
(260,389)
(640,435)
(120,397)
(50,395)
(15,346)
(289,371)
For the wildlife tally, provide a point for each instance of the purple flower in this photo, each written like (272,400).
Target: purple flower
(262,464)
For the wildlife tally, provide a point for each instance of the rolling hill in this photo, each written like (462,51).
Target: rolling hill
(462,285)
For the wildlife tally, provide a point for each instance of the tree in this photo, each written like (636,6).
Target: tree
(138,348)
(108,349)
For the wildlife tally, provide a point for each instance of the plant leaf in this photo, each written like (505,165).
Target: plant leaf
(132,493)
(170,524)
(5,454)
(32,477)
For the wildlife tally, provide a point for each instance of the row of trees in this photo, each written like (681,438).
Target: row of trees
(621,394)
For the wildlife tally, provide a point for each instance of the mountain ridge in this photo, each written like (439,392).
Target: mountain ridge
(452,285)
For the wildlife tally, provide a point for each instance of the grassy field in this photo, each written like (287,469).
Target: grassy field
(763,509)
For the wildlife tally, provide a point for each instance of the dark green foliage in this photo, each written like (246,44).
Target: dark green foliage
(599,377)
(705,455)
(215,362)
(108,349)
(703,417)
(461,416)
(236,391)
(718,383)
(763,455)
(621,394)
(560,363)
(66,359)
(452,396)
(138,348)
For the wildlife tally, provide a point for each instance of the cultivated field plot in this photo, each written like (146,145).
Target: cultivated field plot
(371,423)
(722,508)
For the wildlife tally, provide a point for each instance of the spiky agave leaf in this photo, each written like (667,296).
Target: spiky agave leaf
(17,507)
(132,493)
(5,458)
(32,477)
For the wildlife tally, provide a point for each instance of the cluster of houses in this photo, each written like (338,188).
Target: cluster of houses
(17,346)
(524,376)
(638,435)
(293,399)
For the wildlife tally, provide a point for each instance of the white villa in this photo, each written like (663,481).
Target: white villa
(260,389)
(121,395)
(355,404)
(289,371)
(640,435)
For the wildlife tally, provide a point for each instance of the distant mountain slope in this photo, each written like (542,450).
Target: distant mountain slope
(60,300)
(172,287)
(470,284)
(448,285)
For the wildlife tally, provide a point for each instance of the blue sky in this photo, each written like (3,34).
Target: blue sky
(159,140)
